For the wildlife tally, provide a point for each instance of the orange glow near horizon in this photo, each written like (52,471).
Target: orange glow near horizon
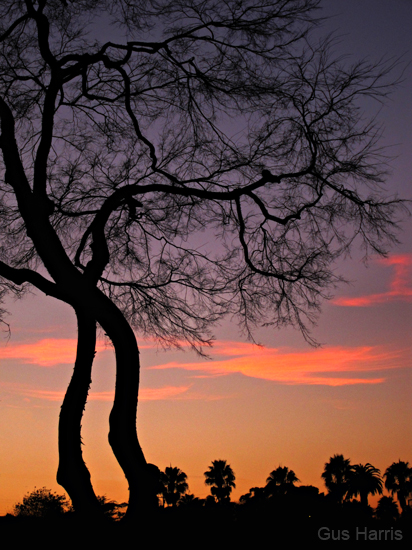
(400,286)
(145,394)
(306,400)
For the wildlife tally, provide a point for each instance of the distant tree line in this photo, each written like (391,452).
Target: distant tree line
(344,482)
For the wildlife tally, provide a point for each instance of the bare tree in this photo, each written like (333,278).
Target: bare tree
(210,158)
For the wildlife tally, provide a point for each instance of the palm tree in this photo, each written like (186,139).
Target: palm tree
(364,480)
(387,510)
(337,474)
(398,479)
(280,481)
(174,483)
(221,478)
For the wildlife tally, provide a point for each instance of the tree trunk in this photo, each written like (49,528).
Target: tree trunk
(364,498)
(402,501)
(123,435)
(72,472)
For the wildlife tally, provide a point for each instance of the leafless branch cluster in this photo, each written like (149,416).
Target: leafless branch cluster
(216,161)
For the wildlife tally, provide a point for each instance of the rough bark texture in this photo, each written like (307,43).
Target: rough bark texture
(72,473)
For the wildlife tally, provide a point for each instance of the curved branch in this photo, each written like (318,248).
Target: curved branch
(43,150)
(14,25)
(15,175)
(248,261)
(25,275)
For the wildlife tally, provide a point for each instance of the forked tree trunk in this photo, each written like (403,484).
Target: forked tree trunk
(123,435)
(72,472)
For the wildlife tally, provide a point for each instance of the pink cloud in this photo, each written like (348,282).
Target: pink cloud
(50,352)
(167,392)
(45,353)
(334,366)
(400,285)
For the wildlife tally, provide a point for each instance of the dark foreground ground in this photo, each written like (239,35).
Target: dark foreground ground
(190,528)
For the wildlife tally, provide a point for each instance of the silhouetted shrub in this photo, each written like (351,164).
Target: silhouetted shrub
(42,503)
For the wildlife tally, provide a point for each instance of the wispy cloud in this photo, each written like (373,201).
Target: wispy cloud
(145,394)
(334,366)
(45,353)
(50,352)
(400,285)
(167,392)
(331,366)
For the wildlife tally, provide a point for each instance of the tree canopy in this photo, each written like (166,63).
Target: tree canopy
(221,479)
(337,476)
(365,480)
(280,481)
(165,163)
(398,479)
(231,121)
(42,503)
(174,485)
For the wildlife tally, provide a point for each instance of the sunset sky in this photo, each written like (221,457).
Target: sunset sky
(283,403)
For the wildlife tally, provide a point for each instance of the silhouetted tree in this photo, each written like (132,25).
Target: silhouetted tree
(337,476)
(387,510)
(398,479)
(156,485)
(255,495)
(221,479)
(190,501)
(210,501)
(111,508)
(42,503)
(117,153)
(174,483)
(365,480)
(280,481)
